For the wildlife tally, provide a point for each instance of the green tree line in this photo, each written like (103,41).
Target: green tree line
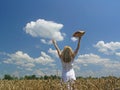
(29,77)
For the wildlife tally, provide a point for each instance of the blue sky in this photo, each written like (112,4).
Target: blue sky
(27,27)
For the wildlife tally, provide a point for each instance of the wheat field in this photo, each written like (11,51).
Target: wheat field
(80,84)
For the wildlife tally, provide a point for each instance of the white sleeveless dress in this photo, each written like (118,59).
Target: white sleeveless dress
(68,73)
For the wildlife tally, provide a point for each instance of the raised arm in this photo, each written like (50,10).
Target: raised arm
(57,48)
(78,46)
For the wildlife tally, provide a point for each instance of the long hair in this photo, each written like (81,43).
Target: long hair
(67,54)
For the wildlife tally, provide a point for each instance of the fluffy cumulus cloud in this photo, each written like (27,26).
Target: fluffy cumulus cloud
(45,29)
(108,48)
(44,59)
(105,66)
(53,52)
(25,64)
(91,59)
(23,60)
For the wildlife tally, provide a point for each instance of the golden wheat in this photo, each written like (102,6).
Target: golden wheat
(80,84)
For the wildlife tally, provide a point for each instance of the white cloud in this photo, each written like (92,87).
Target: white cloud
(44,59)
(117,53)
(53,52)
(46,42)
(73,39)
(91,59)
(97,60)
(107,48)
(45,29)
(108,66)
(23,60)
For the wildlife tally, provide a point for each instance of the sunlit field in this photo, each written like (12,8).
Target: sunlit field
(109,83)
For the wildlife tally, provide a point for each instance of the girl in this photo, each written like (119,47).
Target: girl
(67,58)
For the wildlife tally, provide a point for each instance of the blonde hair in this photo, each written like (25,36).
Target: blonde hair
(67,54)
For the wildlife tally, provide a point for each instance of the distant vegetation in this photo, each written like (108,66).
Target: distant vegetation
(29,77)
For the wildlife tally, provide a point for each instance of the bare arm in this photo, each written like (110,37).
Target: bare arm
(78,46)
(57,48)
